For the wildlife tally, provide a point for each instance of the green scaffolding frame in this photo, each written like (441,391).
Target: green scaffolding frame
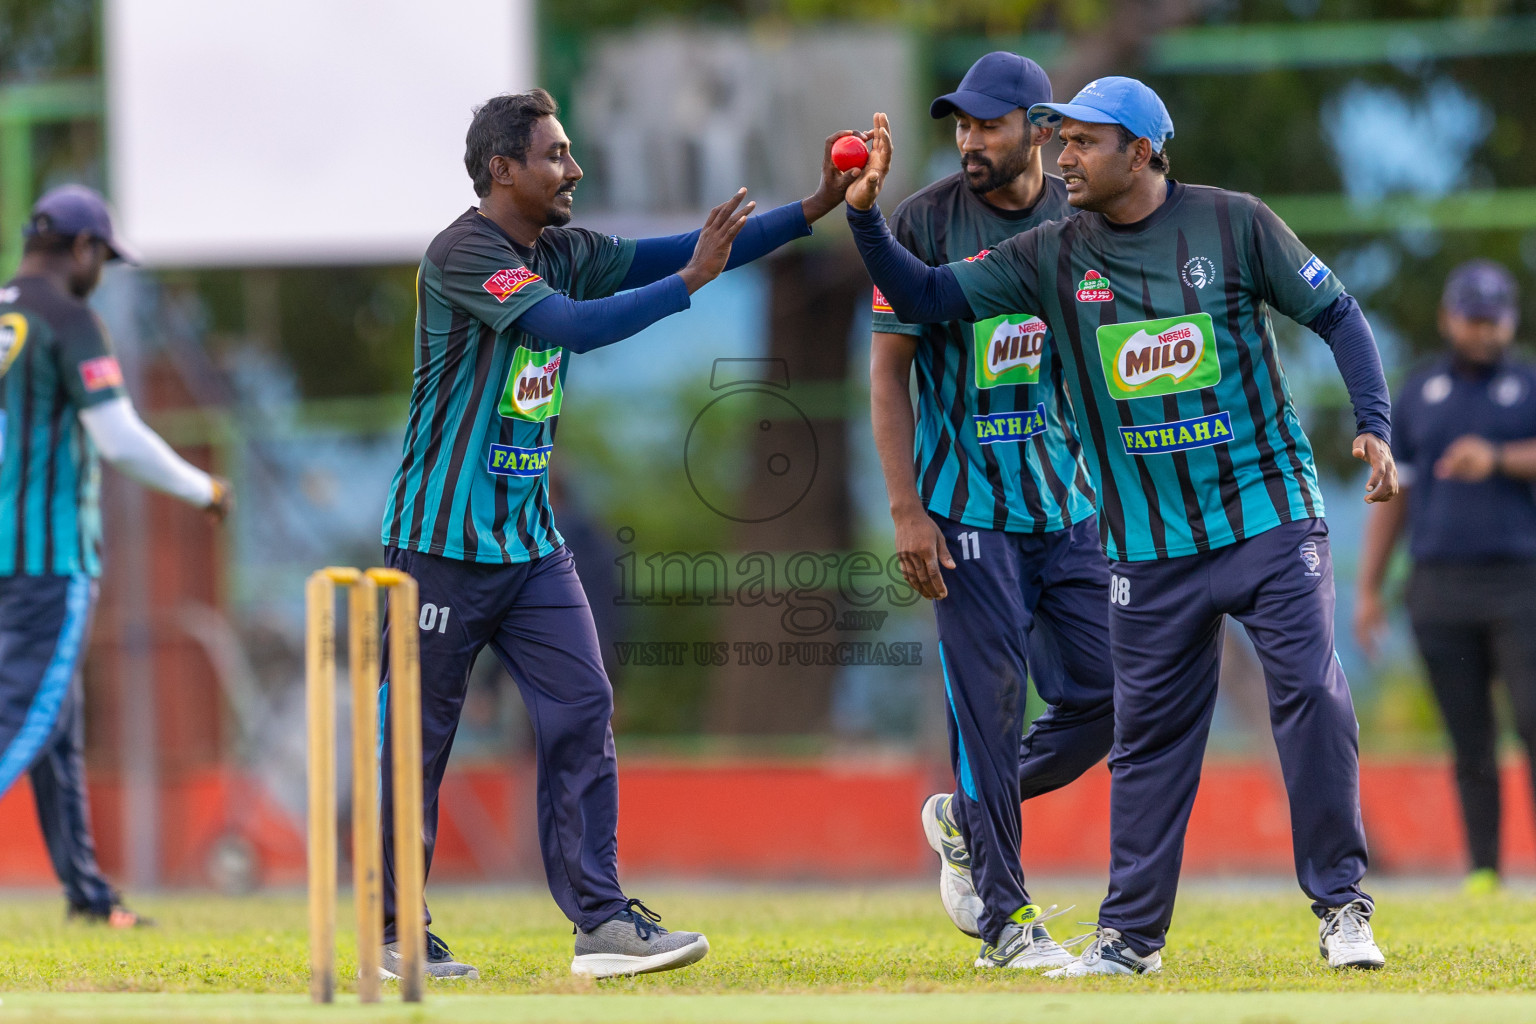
(23,107)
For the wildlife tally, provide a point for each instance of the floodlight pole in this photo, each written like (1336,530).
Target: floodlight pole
(23,107)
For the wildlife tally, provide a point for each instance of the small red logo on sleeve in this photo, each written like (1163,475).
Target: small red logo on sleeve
(979,256)
(506,283)
(880,305)
(101,373)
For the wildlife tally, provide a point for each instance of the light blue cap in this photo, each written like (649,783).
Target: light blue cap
(1113,100)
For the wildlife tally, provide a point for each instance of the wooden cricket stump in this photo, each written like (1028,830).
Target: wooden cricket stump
(363,588)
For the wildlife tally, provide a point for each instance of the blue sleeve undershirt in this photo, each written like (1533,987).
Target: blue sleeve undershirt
(918,293)
(651,289)
(655,258)
(581,326)
(1343,326)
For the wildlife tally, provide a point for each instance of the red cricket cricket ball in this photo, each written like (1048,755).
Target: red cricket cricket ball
(849,152)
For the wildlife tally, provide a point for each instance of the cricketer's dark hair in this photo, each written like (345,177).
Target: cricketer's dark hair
(503,126)
(1159,161)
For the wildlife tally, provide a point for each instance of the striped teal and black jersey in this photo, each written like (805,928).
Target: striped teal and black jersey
(996,445)
(54,361)
(1163,335)
(485,397)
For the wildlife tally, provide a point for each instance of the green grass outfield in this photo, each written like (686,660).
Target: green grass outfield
(881,955)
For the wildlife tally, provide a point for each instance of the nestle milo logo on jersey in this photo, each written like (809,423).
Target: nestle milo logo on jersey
(1094,287)
(533,390)
(1008,349)
(1159,357)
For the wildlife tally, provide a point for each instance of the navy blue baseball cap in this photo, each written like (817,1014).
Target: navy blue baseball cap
(1481,290)
(69,210)
(996,84)
(1113,100)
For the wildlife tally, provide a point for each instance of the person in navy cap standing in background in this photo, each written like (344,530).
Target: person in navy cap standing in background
(62,402)
(1465,440)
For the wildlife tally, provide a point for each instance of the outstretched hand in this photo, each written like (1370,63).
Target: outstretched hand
(866,187)
(834,183)
(713,248)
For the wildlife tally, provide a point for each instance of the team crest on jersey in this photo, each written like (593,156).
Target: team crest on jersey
(505,460)
(533,390)
(1198,272)
(101,373)
(1177,436)
(13,335)
(979,256)
(1010,426)
(1094,287)
(879,303)
(1159,357)
(509,281)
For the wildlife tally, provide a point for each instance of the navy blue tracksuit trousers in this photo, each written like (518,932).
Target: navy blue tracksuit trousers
(535,616)
(1165,623)
(1020,605)
(44,624)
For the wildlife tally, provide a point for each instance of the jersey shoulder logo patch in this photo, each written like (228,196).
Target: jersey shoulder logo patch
(1314,272)
(979,256)
(879,304)
(101,373)
(508,281)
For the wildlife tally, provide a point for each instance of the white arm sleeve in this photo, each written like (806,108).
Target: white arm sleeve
(139,453)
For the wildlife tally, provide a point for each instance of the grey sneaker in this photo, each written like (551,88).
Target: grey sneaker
(631,942)
(440,962)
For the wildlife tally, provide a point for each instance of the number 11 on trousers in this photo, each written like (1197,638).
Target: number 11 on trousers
(970,545)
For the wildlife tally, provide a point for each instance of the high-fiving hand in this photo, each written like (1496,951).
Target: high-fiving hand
(866,188)
(713,248)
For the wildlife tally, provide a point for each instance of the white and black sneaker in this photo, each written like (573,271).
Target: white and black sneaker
(1025,944)
(1107,953)
(631,942)
(440,962)
(956,890)
(1344,937)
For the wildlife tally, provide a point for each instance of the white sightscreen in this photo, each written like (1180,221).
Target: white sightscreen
(300,131)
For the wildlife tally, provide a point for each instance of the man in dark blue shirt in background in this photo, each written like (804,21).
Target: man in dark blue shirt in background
(1465,441)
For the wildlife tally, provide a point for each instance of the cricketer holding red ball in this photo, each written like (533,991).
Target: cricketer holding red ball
(1158,297)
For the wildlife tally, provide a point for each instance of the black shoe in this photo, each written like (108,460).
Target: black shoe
(440,962)
(116,916)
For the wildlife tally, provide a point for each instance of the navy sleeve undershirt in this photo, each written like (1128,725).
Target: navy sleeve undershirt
(655,258)
(581,326)
(1343,326)
(918,293)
